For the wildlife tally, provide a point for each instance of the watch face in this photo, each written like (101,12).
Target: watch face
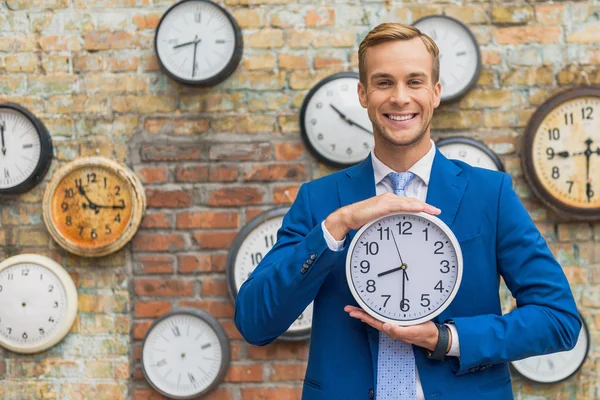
(555,367)
(470,151)
(334,125)
(198,42)
(185,354)
(250,247)
(460,61)
(404,268)
(25,151)
(562,152)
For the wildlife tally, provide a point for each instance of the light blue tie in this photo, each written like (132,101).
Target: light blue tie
(396,376)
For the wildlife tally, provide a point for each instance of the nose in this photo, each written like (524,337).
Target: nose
(400,96)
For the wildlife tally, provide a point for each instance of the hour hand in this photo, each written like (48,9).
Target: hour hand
(348,120)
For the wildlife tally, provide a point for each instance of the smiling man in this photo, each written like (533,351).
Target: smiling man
(462,354)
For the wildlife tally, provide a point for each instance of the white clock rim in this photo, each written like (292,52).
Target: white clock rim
(71,294)
(459,269)
(469,141)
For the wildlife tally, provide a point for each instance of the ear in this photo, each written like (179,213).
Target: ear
(437,94)
(362,94)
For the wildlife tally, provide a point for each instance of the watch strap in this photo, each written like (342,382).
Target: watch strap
(439,353)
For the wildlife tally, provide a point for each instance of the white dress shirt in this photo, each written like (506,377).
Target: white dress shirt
(416,188)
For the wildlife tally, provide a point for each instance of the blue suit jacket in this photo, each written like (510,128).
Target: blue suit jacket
(497,238)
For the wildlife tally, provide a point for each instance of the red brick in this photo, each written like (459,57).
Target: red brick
(194,173)
(285,194)
(214,287)
(207,220)
(240,152)
(150,63)
(147,394)
(253,212)
(156,264)
(146,21)
(216,308)
(236,350)
(259,393)
(236,196)
(168,198)
(246,373)
(151,309)
(275,172)
(214,240)
(163,287)
(223,173)
(288,151)
(171,153)
(152,174)
(288,372)
(137,351)
(106,41)
(157,220)
(144,241)
(279,351)
(140,329)
(320,17)
(231,330)
(200,263)
(138,375)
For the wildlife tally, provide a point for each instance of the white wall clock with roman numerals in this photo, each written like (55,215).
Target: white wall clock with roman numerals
(198,43)
(404,268)
(26,149)
(250,246)
(185,354)
(38,303)
(460,59)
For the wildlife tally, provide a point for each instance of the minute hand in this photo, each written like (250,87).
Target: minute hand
(348,120)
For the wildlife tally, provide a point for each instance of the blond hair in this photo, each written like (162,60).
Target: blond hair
(392,31)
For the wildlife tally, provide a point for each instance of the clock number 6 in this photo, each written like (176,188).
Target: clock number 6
(405,305)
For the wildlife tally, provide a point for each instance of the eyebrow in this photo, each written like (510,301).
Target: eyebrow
(384,75)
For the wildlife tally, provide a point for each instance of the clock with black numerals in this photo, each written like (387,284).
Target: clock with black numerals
(250,246)
(334,126)
(561,153)
(404,268)
(185,354)
(471,151)
(198,43)
(460,59)
(26,151)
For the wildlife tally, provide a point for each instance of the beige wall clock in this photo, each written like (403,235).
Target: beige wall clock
(38,303)
(93,206)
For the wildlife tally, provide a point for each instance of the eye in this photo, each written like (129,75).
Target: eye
(415,82)
(384,83)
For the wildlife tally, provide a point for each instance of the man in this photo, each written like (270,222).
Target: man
(352,355)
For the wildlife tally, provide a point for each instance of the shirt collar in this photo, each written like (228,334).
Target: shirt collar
(422,168)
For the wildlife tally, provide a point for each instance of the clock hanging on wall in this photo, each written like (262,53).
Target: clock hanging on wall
(26,149)
(250,246)
(471,151)
(198,43)
(334,126)
(561,153)
(38,303)
(460,59)
(93,206)
(185,354)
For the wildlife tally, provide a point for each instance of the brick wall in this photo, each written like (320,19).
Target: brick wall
(211,159)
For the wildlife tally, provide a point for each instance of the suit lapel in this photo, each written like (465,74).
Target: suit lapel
(446,187)
(357,184)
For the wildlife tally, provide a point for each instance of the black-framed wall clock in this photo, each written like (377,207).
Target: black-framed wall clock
(249,247)
(561,153)
(460,58)
(471,151)
(198,43)
(26,152)
(334,126)
(185,354)
(38,303)
(556,367)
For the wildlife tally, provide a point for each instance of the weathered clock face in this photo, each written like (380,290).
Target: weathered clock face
(91,206)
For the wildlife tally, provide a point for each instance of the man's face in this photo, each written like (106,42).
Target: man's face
(399,94)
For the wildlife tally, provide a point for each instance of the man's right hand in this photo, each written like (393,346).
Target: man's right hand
(353,216)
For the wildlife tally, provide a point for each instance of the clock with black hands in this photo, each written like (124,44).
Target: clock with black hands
(93,206)
(334,126)
(561,153)
(198,43)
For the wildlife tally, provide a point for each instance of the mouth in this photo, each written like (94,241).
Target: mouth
(400,118)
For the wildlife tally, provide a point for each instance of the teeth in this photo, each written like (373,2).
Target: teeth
(401,117)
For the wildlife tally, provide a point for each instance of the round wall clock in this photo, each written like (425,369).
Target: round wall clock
(26,152)
(198,43)
(93,206)
(460,60)
(561,153)
(471,151)
(249,247)
(556,367)
(38,303)
(334,126)
(185,354)
(404,268)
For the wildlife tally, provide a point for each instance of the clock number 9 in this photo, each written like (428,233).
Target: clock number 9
(365,266)
(550,152)
(64,206)
(319,105)
(93,234)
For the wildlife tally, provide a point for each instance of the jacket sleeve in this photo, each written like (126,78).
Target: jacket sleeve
(546,319)
(288,277)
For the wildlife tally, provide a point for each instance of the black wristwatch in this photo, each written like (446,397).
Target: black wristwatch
(439,353)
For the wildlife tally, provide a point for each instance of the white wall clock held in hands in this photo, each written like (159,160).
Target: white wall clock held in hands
(198,43)
(460,60)
(556,367)
(26,149)
(38,303)
(185,354)
(471,151)
(404,268)
(250,246)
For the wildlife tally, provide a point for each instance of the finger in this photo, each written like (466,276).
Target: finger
(366,318)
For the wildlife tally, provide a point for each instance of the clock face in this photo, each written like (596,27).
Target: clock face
(460,61)
(25,149)
(470,151)
(38,303)
(249,248)
(185,354)
(562,152)
(555,367)
(198,42)
(334,125)
(404,268)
